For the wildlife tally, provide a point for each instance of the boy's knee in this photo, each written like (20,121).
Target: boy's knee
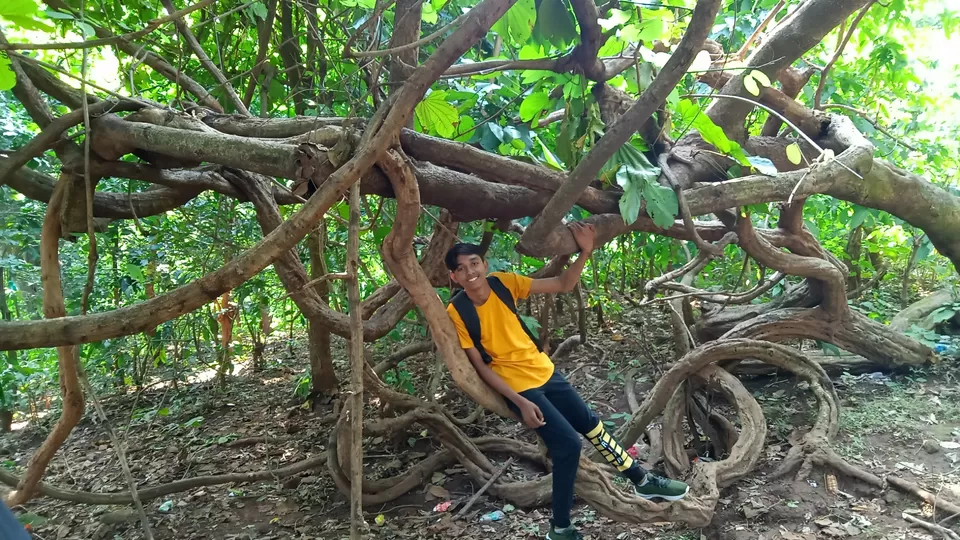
(567,447)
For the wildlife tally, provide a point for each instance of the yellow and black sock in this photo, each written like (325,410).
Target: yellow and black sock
(611,450)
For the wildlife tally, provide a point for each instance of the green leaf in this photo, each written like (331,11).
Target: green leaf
(942,314)
(259,10)
(631,201)
(760,77)
(17,8)
(532,323)
(54,14)
(617,18)
(427,15)
(533,105)
(751,85)
(465,129)
(29,518)
(859,215)
(555,22)
(29,23)
(435,114)
(690,113)
(517,23)
(549,156)
(135,272)
(7,77)
(88,31)
(794,154)
(763,165)
(926,248)
(652,29)
(662,204)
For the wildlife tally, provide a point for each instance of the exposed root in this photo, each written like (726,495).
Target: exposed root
(154,492)
(566,347)
(933,527)
(949,509)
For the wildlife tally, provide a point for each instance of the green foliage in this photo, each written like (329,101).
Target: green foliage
(517,24)
(892,69)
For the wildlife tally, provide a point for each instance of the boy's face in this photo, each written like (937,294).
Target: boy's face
(471,272)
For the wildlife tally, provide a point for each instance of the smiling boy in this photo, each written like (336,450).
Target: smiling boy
(507,357)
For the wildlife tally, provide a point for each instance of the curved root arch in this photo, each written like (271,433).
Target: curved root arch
(594,481)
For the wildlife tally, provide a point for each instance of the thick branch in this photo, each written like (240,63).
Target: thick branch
(204,59)
(836,54)
(587,170)
(385,127)
(160,65)
(796,34)
(51,134)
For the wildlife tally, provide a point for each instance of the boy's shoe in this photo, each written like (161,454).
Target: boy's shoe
(570,533)
(658,487)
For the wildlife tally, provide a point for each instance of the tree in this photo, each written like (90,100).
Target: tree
(655,121)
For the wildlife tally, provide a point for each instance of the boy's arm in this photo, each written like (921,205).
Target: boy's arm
(532,416)
(585,235)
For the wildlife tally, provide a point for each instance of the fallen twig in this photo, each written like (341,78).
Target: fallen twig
(945,532)
(477,495)
(924,495)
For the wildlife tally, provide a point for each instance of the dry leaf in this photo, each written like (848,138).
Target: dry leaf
(438,492)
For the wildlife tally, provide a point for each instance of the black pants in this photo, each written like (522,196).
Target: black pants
(10,528)
(567,417)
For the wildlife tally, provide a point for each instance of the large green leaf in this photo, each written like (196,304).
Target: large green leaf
(517,23)
(533,105)
(690,114)
(435,114)
(662,204)
(17,8)
(7,77)
(632,197)
(555,23)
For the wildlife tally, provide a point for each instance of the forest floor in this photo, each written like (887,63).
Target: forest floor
(907,424)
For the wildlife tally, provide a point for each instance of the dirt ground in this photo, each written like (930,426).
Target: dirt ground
(906,424)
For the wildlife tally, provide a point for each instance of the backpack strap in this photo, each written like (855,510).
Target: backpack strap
(501,291)
(468,314)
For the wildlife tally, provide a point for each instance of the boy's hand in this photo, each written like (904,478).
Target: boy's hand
(585,234)
(532,416)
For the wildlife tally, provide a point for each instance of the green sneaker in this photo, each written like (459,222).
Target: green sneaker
(658,487)
(570,533)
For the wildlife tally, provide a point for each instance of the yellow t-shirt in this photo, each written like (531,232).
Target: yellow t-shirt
(514,357)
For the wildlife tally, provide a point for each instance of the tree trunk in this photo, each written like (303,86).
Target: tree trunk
(323,379)
(6,412)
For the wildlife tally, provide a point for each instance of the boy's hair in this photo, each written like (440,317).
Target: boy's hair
(460,249)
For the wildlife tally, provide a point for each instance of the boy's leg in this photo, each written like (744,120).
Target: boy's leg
(566,399)
(563,443)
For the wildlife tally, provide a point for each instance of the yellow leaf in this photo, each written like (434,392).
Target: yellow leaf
(751,84)
(794,154)
(380,519)
(760,77)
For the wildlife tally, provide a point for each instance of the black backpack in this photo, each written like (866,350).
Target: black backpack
(468,312)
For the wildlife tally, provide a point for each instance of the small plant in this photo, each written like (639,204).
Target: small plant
(400,378)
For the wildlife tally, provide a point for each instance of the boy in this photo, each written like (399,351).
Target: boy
(508,359)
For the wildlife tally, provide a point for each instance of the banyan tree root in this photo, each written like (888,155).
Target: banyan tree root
(67,357)
(154,492)
(594,482)
(812,449)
